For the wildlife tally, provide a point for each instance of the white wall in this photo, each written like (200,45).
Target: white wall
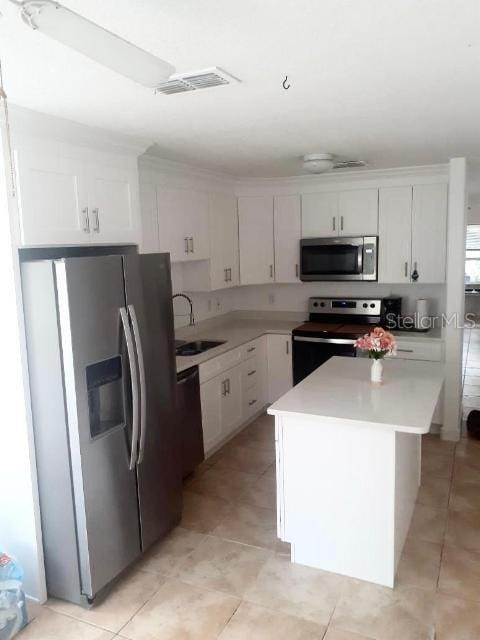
(455,297)
(205,305)
(20,530)
(294,297)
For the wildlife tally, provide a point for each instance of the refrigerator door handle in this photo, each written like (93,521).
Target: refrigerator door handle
(134,381)
(143,386)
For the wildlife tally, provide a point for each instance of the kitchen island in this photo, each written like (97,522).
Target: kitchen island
(349,462)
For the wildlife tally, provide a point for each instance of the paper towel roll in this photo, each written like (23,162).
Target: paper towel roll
(421,314)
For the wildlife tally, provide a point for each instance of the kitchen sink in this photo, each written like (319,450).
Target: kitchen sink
(197,346)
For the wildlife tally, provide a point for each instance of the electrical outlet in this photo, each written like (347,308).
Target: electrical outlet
(271,298)
(209,305)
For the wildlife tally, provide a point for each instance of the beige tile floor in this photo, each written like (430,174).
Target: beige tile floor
(224,574)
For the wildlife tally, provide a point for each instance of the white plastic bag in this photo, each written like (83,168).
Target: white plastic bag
(13,612)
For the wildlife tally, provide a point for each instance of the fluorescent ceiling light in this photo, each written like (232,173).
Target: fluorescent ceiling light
(96,43)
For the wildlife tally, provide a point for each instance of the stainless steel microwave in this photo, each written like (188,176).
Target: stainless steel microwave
(339,258)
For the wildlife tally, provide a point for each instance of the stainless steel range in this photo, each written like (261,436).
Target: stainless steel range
(334,326)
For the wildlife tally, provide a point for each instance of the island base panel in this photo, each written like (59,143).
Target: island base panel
(345,494)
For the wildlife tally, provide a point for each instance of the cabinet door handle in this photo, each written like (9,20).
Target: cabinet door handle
(252,402)
(404,350)
(225,275)
(185,240)
(341,223)
(288,346)
(224,387)
(296,270)
(86,220)
(191,245)
(333,223)
(228,385)
(415,272)
(406,269)
(250,373)
(250,349)
(96,226)
(229,274)
(271,271)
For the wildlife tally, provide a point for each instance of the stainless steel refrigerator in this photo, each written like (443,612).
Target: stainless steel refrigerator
(101,364)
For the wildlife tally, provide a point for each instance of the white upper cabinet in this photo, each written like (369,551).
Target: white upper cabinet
(255,226)
(343,213)
(221,270)
(172,238)
(113,203)
(64,199)
(183,223)
(429,232)
(287,233)
(148,206)
(52,199)
(224,268)
(319,215)
(358,212)
(395,234)
(196,224)
(413,233)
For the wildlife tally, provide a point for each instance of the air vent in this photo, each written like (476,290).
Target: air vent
(349,164)
(195,80)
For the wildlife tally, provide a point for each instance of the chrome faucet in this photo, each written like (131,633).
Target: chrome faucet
(182,295)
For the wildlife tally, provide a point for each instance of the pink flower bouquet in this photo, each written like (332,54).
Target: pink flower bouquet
(378,343)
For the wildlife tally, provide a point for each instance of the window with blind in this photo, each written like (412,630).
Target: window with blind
(472,255)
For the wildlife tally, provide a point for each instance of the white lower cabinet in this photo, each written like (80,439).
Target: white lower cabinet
(423,350)
(231,400)
(211,400)
(234,394)
(279,365)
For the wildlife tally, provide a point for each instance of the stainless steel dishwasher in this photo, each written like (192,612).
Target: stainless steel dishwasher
(189,420)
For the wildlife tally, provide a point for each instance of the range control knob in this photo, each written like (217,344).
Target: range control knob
(322,304)
(372,305)
(365,305)
(315,304)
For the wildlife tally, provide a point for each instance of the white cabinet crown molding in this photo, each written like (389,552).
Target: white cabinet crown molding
(158,170)
(374,178)
(27,124)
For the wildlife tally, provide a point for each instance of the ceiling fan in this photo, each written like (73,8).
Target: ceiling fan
(322,162)
(95,42)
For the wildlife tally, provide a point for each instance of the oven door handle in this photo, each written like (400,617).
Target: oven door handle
(324,340)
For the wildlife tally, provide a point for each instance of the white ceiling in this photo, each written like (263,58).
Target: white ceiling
(393,82)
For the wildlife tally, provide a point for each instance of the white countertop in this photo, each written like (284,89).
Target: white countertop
(341,390)
(235,333)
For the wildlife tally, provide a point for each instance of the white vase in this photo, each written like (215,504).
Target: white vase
(376,372)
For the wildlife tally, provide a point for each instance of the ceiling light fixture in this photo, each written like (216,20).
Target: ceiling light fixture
(98,44)
(322,162)
(318,162)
